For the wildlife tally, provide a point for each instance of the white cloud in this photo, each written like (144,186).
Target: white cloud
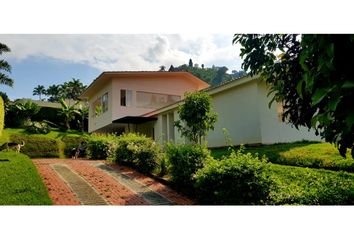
(127,52)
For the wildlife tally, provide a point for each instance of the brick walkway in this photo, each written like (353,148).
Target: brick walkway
(86,182)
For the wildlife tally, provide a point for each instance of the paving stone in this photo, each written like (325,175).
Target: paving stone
(84,192)
(144,191)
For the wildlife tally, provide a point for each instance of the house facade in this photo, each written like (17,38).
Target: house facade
(147,102)
(242,108)
(117,100)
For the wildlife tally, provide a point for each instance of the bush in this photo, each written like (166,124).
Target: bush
(238,179)
(138,151)
(38,127)
(184,162)
(70,143)
(37,147)
(101,146)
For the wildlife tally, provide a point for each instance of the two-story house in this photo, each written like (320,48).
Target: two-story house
(117,100)
(147,102)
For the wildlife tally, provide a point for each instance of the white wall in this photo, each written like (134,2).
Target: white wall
(237,110)
(272,128)
(105,118)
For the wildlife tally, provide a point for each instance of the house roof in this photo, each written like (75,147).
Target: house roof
(211,90)
(104,76)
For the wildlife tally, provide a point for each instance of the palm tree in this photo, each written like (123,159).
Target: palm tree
(73,88)
(39,90)
(5,66)
(54,92)
(68,112)
(24,111)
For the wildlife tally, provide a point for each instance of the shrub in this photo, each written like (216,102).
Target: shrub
(36,146)
(237,179)
(184,162)
(138,151)
(101,146)
(38,127)
(70,143)
(2,115)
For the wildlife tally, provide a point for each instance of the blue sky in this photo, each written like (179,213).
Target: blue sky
(44,59)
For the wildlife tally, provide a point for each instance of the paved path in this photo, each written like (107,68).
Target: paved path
(86,182)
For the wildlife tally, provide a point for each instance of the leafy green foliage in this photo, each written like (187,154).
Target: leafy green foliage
(304,186)
(71,142)
(101,146)
(197,116)
(37,146)
(302,154)
(312,77)
(214,75)
(23,111)
(5,67)
(68,112)
(237,179)
(38,127)
(68,90)
(2,115)
(20,182)
(184,161)
(39,90)
(138,151)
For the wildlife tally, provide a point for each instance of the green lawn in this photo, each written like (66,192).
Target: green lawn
(20,183)
(305,154)
(306,186)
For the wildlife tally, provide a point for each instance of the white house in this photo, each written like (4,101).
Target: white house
(152,103)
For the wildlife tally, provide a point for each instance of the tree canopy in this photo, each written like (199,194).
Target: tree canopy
(214,75)
(5,68)
(39,90)
(197,116)
(312,75)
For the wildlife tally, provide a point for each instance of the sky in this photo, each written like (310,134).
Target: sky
(46,59)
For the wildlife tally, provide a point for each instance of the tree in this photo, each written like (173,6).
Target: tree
(39,90)
(197,116)
(190,63)
(162,68)
(24,111)
(171,69)
(311,75)
(5,66)
(68,112)
(54,92)
(73,89)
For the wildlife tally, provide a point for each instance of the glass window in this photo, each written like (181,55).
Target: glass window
(126,97)
(105,102)
(155,100)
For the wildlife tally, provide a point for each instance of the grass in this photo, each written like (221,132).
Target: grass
(305,186)
(304,154)
(20,182)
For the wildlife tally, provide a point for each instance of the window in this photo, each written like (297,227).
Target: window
(154,100)
(105,102)
(100,105)
(126,97)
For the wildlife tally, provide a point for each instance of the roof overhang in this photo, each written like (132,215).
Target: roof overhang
(134,119)
(104,77)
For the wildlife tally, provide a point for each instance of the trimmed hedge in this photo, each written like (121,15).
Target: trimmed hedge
(70,143)
(238,179)
(184,161)
(101,146)
(138,151)
(36,146)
